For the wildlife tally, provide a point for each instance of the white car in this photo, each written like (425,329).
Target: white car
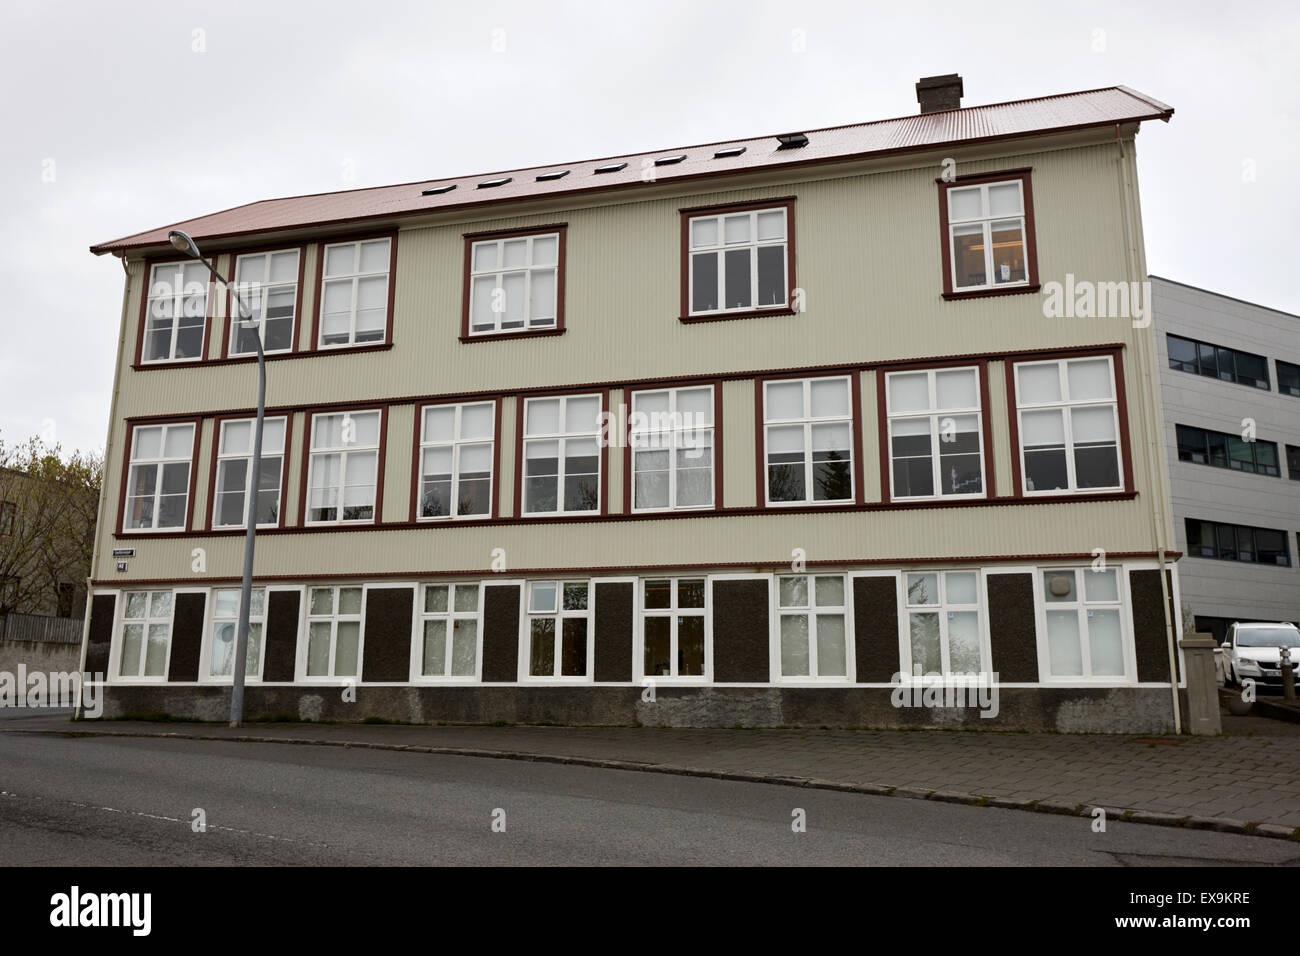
(1254,651)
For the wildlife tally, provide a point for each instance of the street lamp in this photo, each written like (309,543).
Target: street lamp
(181,242)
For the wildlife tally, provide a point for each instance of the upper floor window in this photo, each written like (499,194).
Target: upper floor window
(268,282)
(1069,425)
(561,464)
(1292,464)
(176,312)
(935,441)
(343,480)
(158,482)
(146,634)
(738,260)
(456,460)
(1206,447)
(514,283)
(989,241)
(8,511)
(559,627)
(808,425)
(1213,361)
(1234,542)
(671,438)
(942,619)
(354,292)
(1288,378)
(225,625)
(234,472)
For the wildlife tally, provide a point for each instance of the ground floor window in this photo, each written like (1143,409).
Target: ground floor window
(449,630)
(146,634)
(674,631)
(813,626)
(942,624)
(559,627)
(225,631)
(334,632)
(1083,621)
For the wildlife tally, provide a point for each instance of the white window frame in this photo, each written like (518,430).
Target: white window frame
(808,421)
(936,415)
(334,618)
(673,439)
(674,613)
(456,444)
(560,615)
(943,608)
(148,621)
(1067,404)
(721,247)
(986,220)
(529,268)
(810,611)
(355,276)
(1081,606)
(261,290)
(314,454)
(161,462)
(226,460)
(208,644)
(178,292)
(450,615)
(563,438)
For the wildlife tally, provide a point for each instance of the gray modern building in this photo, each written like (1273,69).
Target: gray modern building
(1230,386)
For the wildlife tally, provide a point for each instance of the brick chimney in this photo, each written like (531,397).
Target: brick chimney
(936,93)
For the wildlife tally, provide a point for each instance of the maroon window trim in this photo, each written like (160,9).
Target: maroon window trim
(228,324)
(1121,408)
(1031,242)
(211,504)
(625,432)
(208,320)
(197,422)
(562,228)
(305,471)
(760,441)
(493,510)
(784,202)
(602,441)
(315,347)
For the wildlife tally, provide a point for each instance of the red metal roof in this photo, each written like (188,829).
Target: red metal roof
(1103,107)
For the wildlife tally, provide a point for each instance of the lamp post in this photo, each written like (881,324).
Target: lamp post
(183,243)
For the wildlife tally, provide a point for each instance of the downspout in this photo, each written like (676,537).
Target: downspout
(103,489)
(1155,436)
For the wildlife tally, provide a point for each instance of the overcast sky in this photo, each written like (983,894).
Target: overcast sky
(123,116)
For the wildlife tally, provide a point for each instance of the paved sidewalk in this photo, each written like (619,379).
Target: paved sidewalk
(1245,781)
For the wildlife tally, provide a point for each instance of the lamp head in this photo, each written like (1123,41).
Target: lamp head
(181,242)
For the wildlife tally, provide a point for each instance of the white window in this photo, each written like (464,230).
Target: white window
(1083,621)
(234,471)
(675,630)
(334,617)
(342,483)
(672,449)
(944,634)
(176,312)
(813,626)
(1069,426)
(354,293)
(986,230)
(559,629)
(449,631)
(268,282)
(738,261)
(936,447)
(225,632)
(562,455)
(808,425)
(514,283)
(456,460)
(158,483)
(146,634)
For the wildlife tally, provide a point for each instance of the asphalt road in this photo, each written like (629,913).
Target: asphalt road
(127,801)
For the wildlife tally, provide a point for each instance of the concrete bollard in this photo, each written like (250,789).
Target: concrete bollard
(1202,685)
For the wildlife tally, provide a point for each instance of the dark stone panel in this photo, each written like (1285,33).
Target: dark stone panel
(187,636)
(1150,642)
(875,628)
(280,633)
(500,632)
(614,616)
(100,639)
(1013,629)
(741,648)
(386,654)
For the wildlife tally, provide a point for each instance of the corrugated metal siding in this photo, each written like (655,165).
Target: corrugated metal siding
(998,418)
(738,415)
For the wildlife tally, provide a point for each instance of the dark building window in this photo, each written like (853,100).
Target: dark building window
(1205,447)
(7,510)
(1229,365)
(63,592)
(1235,542)
(1293,462)
(1288,378)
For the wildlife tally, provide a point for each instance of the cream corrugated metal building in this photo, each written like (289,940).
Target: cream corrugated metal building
(753,432)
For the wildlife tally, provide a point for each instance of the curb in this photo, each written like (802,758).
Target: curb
(1122,814)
